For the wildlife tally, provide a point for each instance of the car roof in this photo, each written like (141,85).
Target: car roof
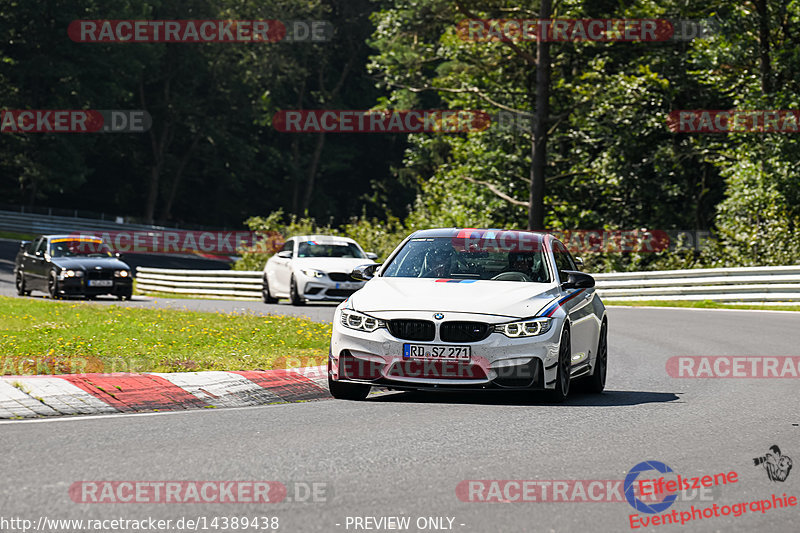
(323,239)
(73,236)
(473,232)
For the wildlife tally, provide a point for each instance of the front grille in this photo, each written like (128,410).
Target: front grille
(464,331)
(340,293)
(99,274)
(412,330)
(341,276)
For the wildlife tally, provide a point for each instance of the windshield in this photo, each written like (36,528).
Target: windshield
(312,249)
(444,257)
(79,247)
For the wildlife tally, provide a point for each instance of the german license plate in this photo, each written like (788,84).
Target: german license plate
(101,283)
(436,352)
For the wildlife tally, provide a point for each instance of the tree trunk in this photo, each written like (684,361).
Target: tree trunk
(312,172)
(166,213)
(763,46)
(540,123)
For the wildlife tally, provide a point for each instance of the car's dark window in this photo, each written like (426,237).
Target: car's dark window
(31,247)
(79,247)
(288,246)
(446,257)
(41,247)
(314,249)
(563,260)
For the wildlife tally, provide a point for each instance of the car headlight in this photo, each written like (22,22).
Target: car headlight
(311,273)
(526,328)
(122,273)
(64,274)
(361,322)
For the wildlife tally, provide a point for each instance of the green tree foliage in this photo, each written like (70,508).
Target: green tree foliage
(213,158)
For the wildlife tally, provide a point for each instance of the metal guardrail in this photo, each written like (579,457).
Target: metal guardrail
(214,284)
(749,284)
(38,223)
(744,284)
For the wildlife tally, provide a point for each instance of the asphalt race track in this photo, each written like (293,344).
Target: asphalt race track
(404,454)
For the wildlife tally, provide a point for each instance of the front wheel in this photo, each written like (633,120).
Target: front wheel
(563,377)
(52,285)
(125,295)
(347,391)
(294,295)
(597,381)
(266,297)
(20,283)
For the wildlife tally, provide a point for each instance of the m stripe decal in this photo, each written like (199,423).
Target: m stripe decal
(552,309)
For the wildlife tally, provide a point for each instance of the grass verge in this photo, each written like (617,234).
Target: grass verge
(14,236)
(45,337)
(704,304)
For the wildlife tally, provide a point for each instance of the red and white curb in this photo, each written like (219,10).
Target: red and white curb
(81,394)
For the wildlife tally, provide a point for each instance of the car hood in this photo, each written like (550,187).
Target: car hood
(83,263)
(330,264)
(512,299)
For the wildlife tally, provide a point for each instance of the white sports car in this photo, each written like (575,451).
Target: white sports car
(471,309)
(314,267)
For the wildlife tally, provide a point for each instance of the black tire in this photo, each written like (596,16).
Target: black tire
(348,391)
(597,381)
(563,377)
(52,285)
(20,283)
(125,295)
(266,297)
(294,296)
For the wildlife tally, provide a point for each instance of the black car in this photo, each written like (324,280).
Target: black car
(69,265)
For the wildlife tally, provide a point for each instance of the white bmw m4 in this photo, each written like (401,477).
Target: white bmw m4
(471,309)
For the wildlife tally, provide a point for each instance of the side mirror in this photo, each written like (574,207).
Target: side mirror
(577,280)
(38,253)
(372,255)
(117,255)
(286,254)
(364,272)
(578,261)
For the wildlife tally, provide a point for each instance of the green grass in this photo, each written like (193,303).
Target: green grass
(46,337)
(705,304)
(16,236)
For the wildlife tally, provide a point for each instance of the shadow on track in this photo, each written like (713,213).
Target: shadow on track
(609,398)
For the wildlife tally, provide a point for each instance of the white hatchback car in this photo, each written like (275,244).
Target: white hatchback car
(314,267)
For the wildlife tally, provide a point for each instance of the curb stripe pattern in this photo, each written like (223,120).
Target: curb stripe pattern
(76,394)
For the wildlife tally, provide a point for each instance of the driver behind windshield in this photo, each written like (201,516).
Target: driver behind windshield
(527,263)
(520,262)
(74,248)
(437,261)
